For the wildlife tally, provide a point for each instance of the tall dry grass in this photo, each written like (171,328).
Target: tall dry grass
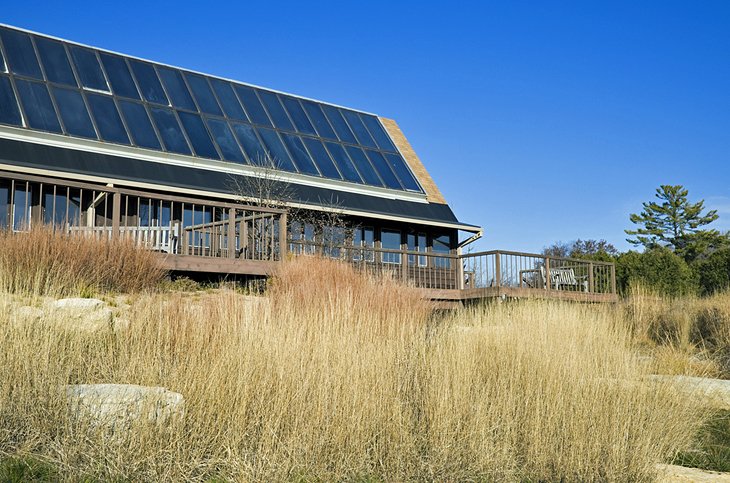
(685,335)
(338,377)
(47,262)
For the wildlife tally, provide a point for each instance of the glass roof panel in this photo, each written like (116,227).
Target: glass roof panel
(276,151)
(253,106)
(227,144)
(88,68)
(322,158)
(119,76)
(170,132)
(276,111)
(298,115)
(107,118)
(140,127)
(361,132)
(228,100)
(9,111)
(401,170)
(379,134)
(300,155)
(148,82)
(203,94)
(344,163)
(321,124)
(176,88)
(363,166)
(384,170)
(21,55)
(55,61)
(72,108)
(255,151)
(198,135)
(165,108)
(338,122)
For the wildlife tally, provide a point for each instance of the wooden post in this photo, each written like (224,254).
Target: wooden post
(497,269)
(591,289)
(404,265)
(116,214)
(613,278)
(283,242)
(459,269)
(547,273)
(231,233)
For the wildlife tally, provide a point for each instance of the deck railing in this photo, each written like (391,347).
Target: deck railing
(490,269)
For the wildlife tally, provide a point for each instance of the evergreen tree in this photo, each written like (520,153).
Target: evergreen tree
(673,222)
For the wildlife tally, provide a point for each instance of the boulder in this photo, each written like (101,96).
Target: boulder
(27,314)
(713,393)
(117,406)
(680,474)
(77,304)
(84,315)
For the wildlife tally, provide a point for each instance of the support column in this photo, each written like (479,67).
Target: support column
(231,233)
(116,213)
(283,242)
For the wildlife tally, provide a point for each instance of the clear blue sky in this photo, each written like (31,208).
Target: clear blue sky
(540,121)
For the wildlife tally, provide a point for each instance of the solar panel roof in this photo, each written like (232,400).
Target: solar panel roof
(60,87)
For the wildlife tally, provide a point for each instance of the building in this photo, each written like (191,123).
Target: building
(210,172)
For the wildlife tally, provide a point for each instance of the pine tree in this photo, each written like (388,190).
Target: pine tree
(672,222)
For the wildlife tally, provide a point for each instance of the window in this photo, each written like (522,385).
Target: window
(416,243)
(140,127)
(361,132)
(441,244)
(55,61)
(400,168)
(176,89)
(323,160)
(251,144)
(338,122)
(276,150)
(319,120)
(384,169)
(119,76)
(87,65)
(38,107)
(107,119)
(73,112)
(203,94)
(301,157)
(148,82)
(391,240)
(229,101)
(343,162)
(297,114)
(226,142)
(9,112)
(333,238)
(198,135)
(379,134)
(364,237)
(21,56)
(363,166)
(172,136)
(276,111)
(253,106)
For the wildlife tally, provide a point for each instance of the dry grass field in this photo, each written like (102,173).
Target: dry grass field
(335,376)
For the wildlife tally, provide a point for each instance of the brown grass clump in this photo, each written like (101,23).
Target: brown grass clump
(686,335)
(342,377)
(46,262)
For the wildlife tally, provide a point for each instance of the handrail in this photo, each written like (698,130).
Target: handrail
(534,255)
(374,249)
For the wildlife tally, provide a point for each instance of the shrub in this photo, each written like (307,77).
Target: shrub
(714,272)
(659,268)
(47,262)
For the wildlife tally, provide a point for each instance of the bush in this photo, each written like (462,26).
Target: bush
(660,269)
(714,272)
(46,262)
